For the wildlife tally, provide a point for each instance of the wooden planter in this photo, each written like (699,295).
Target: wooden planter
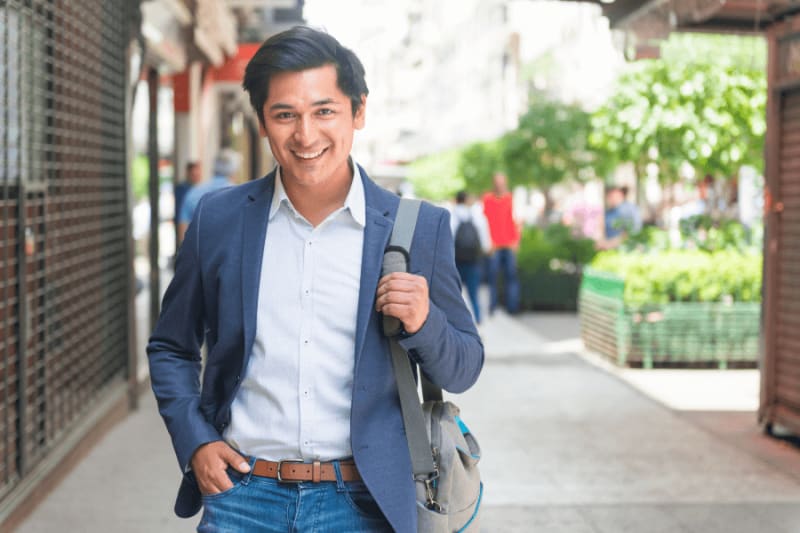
(673,334)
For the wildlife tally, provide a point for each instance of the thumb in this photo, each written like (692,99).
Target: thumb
(237,461)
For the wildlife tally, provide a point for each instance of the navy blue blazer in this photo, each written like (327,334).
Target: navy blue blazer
(214,296)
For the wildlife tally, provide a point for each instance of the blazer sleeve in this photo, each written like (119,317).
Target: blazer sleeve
(174,351)
(447,347)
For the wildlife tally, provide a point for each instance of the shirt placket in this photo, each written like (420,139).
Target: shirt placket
(305,381)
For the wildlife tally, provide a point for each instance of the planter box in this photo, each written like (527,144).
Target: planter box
(552,291)
(673,334)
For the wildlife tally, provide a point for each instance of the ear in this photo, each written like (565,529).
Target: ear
(261,130)
(360,119)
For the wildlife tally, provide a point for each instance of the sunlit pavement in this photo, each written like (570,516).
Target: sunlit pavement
(570,444)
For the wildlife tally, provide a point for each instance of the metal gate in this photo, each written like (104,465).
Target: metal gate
(64,258)
(780,391)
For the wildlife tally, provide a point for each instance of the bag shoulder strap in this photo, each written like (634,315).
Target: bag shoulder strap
(419,445)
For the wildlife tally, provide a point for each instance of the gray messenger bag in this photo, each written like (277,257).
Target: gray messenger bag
(444,454)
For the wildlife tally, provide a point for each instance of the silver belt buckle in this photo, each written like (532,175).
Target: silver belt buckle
(280,465)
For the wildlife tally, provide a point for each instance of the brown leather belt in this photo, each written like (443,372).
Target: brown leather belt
(298,471)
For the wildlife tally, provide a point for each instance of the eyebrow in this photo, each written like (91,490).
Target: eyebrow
(325,101)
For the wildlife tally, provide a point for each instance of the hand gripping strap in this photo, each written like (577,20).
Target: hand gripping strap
(419,445)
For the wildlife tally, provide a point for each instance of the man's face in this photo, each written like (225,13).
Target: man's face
(614,198)
(195,175)
(309,124)
(500,183)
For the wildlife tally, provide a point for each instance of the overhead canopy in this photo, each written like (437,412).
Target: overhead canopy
(654,19)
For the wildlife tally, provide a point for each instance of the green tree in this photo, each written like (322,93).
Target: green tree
(436,176)
(478,162)
(703,102)
(550,146)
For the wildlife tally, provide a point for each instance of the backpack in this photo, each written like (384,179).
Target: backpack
(468,242)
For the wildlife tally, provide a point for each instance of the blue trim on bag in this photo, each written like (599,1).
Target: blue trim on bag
(461,425)
(477,507)
(466,452)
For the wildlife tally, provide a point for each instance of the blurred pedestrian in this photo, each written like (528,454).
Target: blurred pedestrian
(622,217)
(298,407)
(472,243)
(225,165)
(194,176)
(498,207)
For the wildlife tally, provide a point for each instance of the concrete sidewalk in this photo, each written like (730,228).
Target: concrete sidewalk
(570,444)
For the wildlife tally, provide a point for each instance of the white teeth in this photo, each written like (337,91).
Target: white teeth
(310,155)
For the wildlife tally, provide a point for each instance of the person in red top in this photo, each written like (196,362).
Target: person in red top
(504,230)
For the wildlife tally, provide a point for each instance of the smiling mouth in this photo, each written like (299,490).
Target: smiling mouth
(309,155)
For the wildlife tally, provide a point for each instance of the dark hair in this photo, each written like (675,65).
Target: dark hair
(461,197)
(302,48)
(190,165)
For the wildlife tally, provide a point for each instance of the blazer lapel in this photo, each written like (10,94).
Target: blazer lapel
(254,232)
(378,229)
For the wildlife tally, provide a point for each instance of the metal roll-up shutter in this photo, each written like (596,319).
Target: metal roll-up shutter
(787,343)
(64,258)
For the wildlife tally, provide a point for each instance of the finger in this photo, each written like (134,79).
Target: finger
(395,298)
(402,276)
(237,461)
(399,285)
(220,483)
(399,311)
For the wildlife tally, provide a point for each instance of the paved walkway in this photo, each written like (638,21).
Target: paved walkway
(570,445)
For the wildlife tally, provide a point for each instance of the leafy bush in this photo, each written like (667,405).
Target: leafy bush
(553,249)
(685,275)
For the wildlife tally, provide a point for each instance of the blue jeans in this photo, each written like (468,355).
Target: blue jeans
(259,504)
(503,259)
(471,278)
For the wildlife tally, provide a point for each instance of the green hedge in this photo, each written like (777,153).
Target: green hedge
(685,275)
(553,249)
(549,262)
(721,334)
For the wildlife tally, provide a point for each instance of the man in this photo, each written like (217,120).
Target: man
(193,178)
(622,217)
(499,210)
(297,426)
(472,243)
(225,165)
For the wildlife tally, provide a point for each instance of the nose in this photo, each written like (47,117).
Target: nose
(304,130)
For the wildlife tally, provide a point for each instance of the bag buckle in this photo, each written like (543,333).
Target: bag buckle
(280,465)
(430,500)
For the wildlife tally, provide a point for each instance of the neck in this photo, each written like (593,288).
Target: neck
(316,202)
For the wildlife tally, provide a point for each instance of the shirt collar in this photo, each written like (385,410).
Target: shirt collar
(355,202)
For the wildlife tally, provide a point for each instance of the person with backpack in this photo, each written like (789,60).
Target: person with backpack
(472,243)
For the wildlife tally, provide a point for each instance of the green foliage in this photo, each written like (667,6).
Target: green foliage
(699,232)
(549,146)
(140,176)
(703,232)
(703,103)
(478,162)
(685,275)
(436,176)
(553,249)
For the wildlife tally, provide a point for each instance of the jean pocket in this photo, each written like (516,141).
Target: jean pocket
(362,501)
(235,477)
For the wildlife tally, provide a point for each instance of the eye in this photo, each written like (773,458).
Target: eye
(283,115)
(325,111)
